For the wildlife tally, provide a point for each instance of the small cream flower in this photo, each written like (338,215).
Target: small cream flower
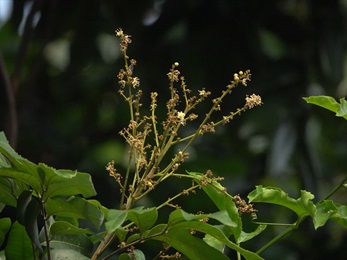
(253,100)
(180,116)
(202,93)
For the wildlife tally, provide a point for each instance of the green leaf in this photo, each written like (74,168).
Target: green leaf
(180,238)
(176,233)
(136,254)
(192,247)
(143,218)
(302,206)
(329,103)
(66,254)
(66,228)
(342,111)
(180,215)
(222,200)
(248,236)
(66,182)
(77,242)
(215,243)
(5,225)
(25,172)
(330,210)
(8,194)
(31,214)
(115,219)
(100,206)
(22,205)
(19,243)
(323,101)
(75,207)
(7,150)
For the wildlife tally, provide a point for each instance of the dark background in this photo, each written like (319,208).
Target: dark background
(62,61)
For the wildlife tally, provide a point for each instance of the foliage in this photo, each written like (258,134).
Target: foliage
(76,226)
(330,103)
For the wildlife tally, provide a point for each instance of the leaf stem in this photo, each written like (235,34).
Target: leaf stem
(337,187)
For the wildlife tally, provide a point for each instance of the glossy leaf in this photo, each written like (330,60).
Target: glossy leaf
(18,244)
(66,228)
(75,207)
(66,254)
(78,242)
(115,219)
(143,218)
(5,225)
(302,206)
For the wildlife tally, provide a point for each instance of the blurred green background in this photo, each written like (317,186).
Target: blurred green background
(62,58)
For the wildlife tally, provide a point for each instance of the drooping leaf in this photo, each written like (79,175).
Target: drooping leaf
(66,254)
(18,244)
(192,247)
(136,254)
(77,242)
(66,228)
(200,250)
(214,242)
(75,207)
(143,218)
(5,225)
(302,206)
(180,215)
(22,204)
(180,222)
(32,212)
(222,200)
(100,206)
(115,218)
(248,236)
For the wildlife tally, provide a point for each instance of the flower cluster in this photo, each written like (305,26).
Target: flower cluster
(253,100)
(151,138)
(125,40)
(244,207)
